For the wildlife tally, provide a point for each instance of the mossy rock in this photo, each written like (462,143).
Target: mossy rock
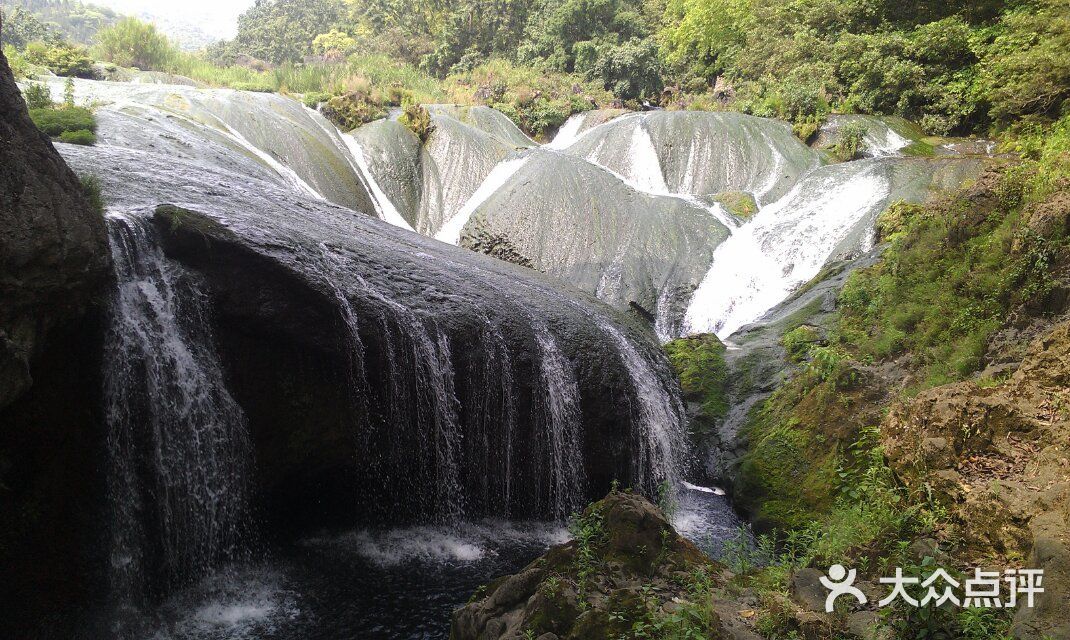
(740,204)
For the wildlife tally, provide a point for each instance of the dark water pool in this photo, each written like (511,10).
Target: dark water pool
(389,584)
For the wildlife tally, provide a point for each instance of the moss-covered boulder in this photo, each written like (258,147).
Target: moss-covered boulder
(625,569)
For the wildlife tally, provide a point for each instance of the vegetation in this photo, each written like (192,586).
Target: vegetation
(93,192)
(67,122)
(700,364)
(60,58)
(133,43)
(28,21)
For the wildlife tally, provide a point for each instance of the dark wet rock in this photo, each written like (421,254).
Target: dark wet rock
(53,252)
(53,265)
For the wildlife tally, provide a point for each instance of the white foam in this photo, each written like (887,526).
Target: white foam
(694,487)
(568,133)
(462,543)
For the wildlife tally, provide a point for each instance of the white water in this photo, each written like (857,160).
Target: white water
(568,133)
(384,208)
(784,246)
(661,446)
(563,428)
(179,451)
(286,172)
(451,231)
(459,543)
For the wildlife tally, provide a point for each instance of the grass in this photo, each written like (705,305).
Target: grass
(947,281)
(93,192)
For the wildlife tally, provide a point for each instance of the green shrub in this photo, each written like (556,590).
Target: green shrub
(55,122)
(851,143)
(419,121)
(133,43)
(38,96)
(62,59)
(82,136)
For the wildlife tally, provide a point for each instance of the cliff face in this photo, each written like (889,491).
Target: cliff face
(53,249)
(53,260)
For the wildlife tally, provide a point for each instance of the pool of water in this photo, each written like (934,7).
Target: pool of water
(390,584)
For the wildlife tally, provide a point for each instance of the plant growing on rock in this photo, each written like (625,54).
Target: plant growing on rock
(418,119)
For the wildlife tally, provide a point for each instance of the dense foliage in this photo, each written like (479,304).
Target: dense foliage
(26,21)
(133,43)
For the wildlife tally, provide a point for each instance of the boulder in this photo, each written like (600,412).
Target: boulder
(626,565)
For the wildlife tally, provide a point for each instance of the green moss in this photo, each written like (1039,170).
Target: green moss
(740,204)
(798,341)
(699,361)
(948,278)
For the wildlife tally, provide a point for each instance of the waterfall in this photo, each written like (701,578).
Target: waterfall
(384,207)
(561,442)
(569,132)
(657,419)
(784,246)
(179,453)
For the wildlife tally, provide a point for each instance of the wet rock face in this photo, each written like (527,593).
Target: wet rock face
(53,251)
(53,263)
(597,586)
(573,220)
(999,456)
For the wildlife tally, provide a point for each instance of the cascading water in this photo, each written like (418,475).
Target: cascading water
(784,246)
(179,453)
(658,414)
(451,231)
(561,441)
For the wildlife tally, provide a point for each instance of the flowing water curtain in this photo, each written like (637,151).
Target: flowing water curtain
(180,458)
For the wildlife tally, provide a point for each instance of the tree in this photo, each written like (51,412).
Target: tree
(1027,68)
(22,27)
(704,35)
(283,30)
(133,43)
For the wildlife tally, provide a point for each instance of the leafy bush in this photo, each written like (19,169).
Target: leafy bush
(60,58)
(798,342)
(133,43)
(54,122)
(418,120)
(851,143)
(37,95)
(81,136)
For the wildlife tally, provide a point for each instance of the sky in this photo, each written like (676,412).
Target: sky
(217,18)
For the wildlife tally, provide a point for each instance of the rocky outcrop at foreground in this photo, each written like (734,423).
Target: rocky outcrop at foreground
(626,569)
(53,251)
(53,259)
(1000,456)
